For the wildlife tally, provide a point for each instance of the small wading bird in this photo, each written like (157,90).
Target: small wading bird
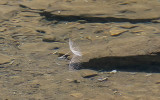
(77,55)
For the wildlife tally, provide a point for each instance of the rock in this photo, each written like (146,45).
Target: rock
(128,26)
(149,74)
(88,73)
(117,31)
(5,59)
(51,38)
(102,79)
(77,95)
(112,72)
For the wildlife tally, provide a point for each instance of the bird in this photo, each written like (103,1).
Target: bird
(77,56)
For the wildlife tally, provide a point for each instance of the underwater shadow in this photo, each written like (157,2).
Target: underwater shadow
(84,19)
(141,63)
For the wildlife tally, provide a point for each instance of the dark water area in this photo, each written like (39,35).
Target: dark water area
(145,63)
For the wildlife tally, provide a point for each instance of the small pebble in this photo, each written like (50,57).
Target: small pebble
(148,75)
(128,26)
(88,73)
(113,72)
(102,79)
(77,95)
(73,81)
(49,38)
(116,31)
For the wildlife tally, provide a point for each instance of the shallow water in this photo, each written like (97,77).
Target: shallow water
(33,40)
